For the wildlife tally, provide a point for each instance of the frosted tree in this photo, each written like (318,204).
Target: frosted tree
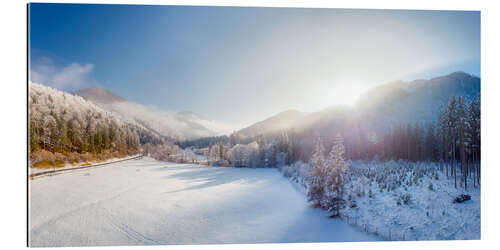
(221,151)
(64,123)
(451,124)
(463,137)
(430,143)
(213,153)
(474,120)
(49,130)
(189,155)
(336,168)
(33,136)
(317,174)
(443,141)
(261,141)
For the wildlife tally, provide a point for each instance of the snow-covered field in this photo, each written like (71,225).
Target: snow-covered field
(404,201)
(141,202)
(429,214)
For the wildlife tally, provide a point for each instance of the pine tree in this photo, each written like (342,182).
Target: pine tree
(221,151)
(451,126)
(63,138)
(443,142)
(106,139)
(261,141)
(430,143)
(462,128)
(409,142)
(92,144)
(33,137)
(336,167)
(317,174)
(475,133)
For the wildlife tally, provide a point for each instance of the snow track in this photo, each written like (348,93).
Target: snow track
(146,202)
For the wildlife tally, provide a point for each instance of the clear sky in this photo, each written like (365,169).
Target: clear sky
(240,65)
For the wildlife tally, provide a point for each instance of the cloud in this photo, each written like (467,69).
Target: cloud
(72,76)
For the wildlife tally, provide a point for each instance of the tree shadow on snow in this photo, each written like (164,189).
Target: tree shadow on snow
(214,176)
(321,228)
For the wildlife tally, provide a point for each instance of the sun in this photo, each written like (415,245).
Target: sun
(342,94)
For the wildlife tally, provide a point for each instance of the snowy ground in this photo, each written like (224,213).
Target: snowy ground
(429,213)
(141,202)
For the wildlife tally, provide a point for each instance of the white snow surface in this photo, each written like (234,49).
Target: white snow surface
(147,202)
(430,213)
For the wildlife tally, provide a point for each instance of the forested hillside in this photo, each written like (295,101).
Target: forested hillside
(66,128)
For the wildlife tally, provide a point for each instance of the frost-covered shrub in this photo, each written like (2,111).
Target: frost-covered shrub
(461,198)
(287,171)
(297,172)
(353,204)
(74,157)
(41,155)
(405,198)
(241,155)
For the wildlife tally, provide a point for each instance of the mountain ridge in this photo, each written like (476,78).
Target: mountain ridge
(395,102)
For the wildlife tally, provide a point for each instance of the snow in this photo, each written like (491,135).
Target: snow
(147,202)
(430,213)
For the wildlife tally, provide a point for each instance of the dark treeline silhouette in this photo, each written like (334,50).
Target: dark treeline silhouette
(203,142)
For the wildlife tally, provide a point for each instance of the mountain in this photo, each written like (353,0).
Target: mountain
(389,104)
(282,121)
(176,126)
(419,100)
(99,95)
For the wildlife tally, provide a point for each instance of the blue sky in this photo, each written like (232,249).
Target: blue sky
(239,65)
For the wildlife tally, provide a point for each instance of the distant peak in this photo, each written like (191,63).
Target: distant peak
(459,73)
(99,94)
(290,111)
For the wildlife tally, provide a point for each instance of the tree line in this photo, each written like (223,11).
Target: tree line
(54,134)
(453,140)
(62,124)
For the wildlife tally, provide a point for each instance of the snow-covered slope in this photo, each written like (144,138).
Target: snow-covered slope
(179,126)
(146,202)
(47,104)
(44,100)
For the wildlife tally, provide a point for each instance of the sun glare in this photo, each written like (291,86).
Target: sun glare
(345,94)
